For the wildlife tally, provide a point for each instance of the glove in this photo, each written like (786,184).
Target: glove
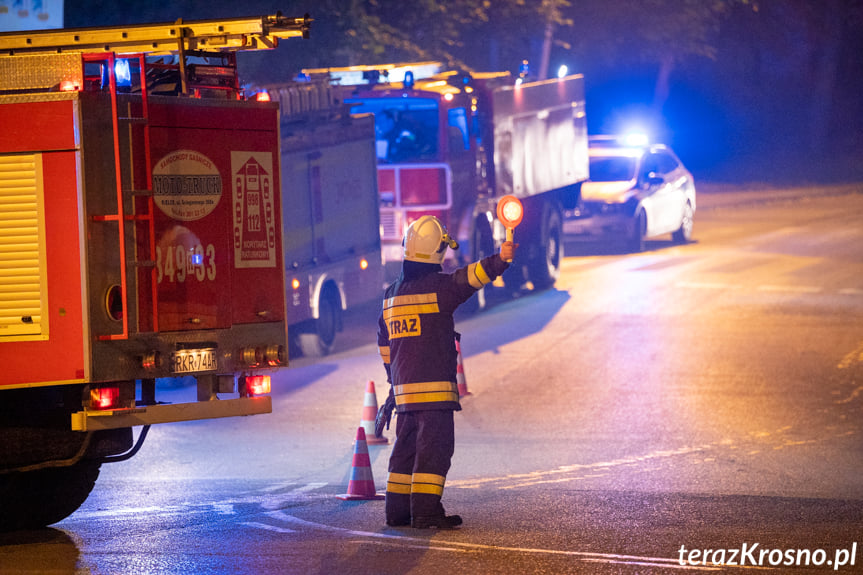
(385,413)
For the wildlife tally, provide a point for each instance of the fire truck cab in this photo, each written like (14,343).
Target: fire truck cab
(140,238)
(451,143)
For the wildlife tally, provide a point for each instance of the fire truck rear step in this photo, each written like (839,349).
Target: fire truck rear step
(168,413)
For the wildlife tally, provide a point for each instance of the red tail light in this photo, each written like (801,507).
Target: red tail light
(258,384)
(105,398)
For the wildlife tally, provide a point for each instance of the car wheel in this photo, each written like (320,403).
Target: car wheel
(684,233)
(639,229)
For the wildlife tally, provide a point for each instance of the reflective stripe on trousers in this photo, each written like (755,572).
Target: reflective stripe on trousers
(420,460)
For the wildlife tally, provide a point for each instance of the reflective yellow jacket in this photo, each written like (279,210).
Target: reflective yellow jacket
(416,332)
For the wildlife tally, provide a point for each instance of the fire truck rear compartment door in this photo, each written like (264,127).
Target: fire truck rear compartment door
(218,228)
(41,275)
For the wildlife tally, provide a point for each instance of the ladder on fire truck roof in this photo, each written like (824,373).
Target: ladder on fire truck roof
(258,33)
(75,48)
(208,39)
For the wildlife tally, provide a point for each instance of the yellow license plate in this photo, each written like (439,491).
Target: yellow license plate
(193,360)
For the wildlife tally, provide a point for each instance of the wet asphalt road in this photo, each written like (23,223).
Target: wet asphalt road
(705,397)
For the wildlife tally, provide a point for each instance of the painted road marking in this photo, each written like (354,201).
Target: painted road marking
(224,508)
(854,395)
(424,543)
(279,500)
(565,473)
(791,289)
(267,527)
(266,498)
(577,471)
(277,486)
(417,546)
(696,455)
(765,288)
(706,285)
(652,564)
(851,358)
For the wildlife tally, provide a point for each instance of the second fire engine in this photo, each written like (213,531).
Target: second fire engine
(451,144)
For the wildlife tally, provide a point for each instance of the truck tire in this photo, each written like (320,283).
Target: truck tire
(318,338)
(544,269)
(35,499)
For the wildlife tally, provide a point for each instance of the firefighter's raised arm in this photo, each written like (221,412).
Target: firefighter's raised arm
(510,212)
(507,251)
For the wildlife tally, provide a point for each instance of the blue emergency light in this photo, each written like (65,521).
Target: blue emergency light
(122,74)
(636,139)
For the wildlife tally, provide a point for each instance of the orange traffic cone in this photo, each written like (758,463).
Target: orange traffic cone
(459,374)
(370,413)
(361,484)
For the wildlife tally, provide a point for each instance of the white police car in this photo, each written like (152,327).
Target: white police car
(636,191)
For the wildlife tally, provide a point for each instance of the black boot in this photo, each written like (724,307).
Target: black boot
(437,522)
(400,522)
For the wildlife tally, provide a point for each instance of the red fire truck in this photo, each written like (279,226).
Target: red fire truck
(331,219)
(451,144)
(140,238)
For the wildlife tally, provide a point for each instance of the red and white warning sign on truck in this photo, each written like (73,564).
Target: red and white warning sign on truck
(254,210)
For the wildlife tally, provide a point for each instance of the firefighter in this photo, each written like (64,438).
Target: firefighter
(416,336)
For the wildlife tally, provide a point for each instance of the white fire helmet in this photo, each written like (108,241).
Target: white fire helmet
(426,241)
